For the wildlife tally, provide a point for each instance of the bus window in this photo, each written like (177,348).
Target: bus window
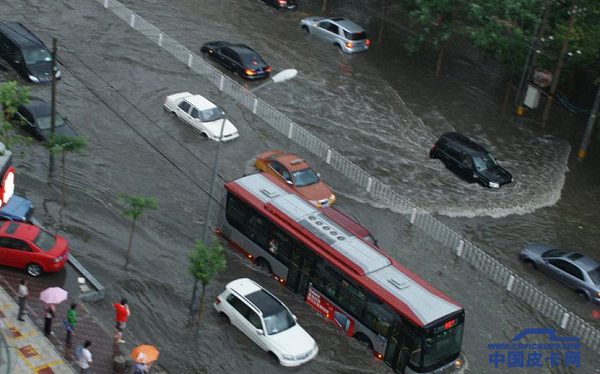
(236,212)
(258,228)
(325,282)
(283,244)
(378,317)
(351,297)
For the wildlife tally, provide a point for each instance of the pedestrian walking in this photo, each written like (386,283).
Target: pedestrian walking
(122,313)
(23,292)
(84,359)
(141,368)
(49,312)
(71,322)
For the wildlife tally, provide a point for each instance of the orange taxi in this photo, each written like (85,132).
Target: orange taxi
(294,171)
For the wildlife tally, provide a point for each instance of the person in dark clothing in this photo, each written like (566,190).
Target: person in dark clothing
(49,316)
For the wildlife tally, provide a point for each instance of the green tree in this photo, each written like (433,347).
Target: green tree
(434,21)
(135,207)
(61,145)
(11,97)
(205,263)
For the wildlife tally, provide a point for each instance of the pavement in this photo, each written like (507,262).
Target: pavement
(32,352)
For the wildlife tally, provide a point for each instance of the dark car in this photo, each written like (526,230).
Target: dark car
(238,58)
(574,269)
(26,53)
(35,118)
(17,209)
(281,4)
(469,160)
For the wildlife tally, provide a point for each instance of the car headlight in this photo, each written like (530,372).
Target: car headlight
(494,184)
(287,357)
(58,259)
(331,199)
(33,79)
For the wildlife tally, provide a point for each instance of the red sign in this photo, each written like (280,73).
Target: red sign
(323,306)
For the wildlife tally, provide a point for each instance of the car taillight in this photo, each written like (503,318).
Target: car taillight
(268,69)
(349,45)
(368,42)
(217,301)
(433,148)
(282,2)
(249,72)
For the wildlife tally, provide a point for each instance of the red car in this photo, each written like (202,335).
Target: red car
(31,248)
(296,173)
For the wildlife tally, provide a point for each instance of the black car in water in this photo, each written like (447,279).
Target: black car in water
(238,58)
(26,53)
(36,119)
(469,160)
(281,4)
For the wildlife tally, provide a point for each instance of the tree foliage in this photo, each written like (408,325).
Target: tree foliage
(61,145)
(135,206)
(11,97)
(205,263)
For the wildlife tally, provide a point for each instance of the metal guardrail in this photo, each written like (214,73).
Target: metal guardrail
(464,249)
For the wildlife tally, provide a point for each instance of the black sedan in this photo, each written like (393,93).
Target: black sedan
(238,58)
(36,119)
(281,4)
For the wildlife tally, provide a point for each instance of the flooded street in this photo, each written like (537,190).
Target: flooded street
(382,109)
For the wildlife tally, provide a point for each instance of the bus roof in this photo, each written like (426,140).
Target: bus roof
(401,289)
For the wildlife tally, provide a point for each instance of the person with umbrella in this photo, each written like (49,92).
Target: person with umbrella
(144,356)
(51,296)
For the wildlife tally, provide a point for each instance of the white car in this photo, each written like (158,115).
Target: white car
(266,321)
(204,116)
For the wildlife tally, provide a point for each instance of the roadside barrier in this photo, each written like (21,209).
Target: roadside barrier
(461,247)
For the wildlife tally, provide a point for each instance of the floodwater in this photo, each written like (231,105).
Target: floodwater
(374,107)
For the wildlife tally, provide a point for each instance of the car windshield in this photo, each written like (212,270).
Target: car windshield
(44,241)
(44,123)
(553,253)
(595,275)
(279,322)
(355,35)
(252,60)
(305,177)
(211,114)
(35,56)
(484,163)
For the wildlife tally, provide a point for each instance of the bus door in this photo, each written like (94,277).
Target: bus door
(401,345)
(302,263)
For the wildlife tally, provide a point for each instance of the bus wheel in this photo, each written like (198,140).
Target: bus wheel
(263,265)
(363,340)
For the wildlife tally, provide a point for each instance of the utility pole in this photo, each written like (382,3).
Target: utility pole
(53,101)
(531,57)
(559,66)
(324,5)
(590,127)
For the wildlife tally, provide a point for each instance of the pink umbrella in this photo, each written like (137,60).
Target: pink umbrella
(53,295)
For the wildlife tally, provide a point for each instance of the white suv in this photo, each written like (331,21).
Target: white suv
(266,321)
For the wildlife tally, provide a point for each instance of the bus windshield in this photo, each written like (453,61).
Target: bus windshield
(445,344)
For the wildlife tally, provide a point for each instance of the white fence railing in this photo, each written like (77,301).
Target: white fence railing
(464,249)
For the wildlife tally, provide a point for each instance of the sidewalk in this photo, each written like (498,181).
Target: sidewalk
(31,351)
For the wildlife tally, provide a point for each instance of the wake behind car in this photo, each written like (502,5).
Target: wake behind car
(204,116)
(22,49)
(469,160)
(281,4)
(36,119)
(31,248)
(575,270)
(296,172)
(238,58)
(345,34)
(266,321)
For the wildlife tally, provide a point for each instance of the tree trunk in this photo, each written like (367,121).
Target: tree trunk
(324,5)
(64,182)
(382,25)
(128,256)
(440,58)
(201,307)
(506,97)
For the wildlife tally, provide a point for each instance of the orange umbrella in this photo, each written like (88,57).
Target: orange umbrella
(144,354)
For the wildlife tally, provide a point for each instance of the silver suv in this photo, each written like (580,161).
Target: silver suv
(347,35)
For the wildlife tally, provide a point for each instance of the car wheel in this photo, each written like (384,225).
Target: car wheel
(529,262)
(364,340)
(305,29)
(263,265)
(225,318)
(583,294)
(34,270)
(274,357)
(339,47)
(432,155)
(203,134)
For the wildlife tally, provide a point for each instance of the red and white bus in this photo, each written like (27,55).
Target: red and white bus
(409,324)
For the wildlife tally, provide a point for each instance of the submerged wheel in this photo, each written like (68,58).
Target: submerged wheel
(263,265)
(34,270)
(530,263)
(305,29)
(364,340)
(583,294)
(225,318)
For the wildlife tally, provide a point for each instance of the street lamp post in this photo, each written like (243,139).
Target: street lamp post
(280,77)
